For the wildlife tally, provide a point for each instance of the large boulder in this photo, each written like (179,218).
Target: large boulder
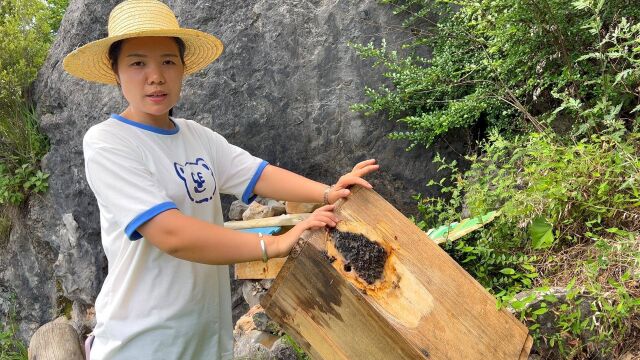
(282,90)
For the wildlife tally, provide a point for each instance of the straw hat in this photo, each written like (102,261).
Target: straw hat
(137,18)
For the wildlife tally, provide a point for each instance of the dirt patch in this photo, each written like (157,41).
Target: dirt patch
(365,257)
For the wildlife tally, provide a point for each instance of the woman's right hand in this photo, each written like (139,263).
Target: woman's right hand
(321,217)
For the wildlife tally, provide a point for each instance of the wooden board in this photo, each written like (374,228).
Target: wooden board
(282,220)
(424,305)
(258,270)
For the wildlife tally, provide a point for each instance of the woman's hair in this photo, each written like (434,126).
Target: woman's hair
(116,47)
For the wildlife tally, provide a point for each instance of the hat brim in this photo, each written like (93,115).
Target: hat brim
(91,61)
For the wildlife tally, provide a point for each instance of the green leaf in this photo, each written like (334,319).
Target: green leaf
(541,233)
(508,271)
(541,311)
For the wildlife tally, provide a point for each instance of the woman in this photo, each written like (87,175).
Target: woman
(158,179)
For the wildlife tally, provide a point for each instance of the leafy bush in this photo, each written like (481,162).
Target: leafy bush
(570,214)
(555,85)
(27,28)
(10,347)
(25,35)
(511,65)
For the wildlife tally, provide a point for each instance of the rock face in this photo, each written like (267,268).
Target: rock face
(282,90)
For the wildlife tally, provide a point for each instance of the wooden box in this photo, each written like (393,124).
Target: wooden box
(379,288)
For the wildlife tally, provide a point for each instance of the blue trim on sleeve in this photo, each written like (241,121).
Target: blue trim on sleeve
(131,229)
(248,195)
(154,129)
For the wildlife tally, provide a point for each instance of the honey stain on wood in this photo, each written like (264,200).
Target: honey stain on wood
(394,289)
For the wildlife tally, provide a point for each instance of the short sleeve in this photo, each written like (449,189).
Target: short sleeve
(122,185)
(238,171)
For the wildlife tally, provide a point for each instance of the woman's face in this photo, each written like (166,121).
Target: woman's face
(150,73)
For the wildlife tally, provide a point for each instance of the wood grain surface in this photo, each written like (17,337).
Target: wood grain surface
(425,306)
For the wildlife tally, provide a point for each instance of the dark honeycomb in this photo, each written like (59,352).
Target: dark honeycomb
(365,257)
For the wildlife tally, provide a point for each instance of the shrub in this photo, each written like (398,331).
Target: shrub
(10,347)
(569,215)
(511,65)
(27,28)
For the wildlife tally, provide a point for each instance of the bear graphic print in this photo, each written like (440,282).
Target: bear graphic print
(198,180)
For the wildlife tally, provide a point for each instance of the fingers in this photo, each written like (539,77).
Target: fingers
(329,207)
(364,164)
(327,217)
(323,216)
(352,179)
(365,170)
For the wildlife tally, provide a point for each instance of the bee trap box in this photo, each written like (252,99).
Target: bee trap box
(377,287)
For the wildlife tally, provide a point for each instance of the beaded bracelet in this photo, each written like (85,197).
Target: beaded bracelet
(325,196)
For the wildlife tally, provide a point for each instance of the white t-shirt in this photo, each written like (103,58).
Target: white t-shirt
(153,305)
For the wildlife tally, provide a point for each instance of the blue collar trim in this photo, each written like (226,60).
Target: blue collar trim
(154,129)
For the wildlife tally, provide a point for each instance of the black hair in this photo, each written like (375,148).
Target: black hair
(116,48)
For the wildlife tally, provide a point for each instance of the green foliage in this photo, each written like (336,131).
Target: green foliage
(10,347)
(597,316)
(538,181)
(510,65)
(25,35)
(27,29)
(569,210)
(300,354)
(22,148)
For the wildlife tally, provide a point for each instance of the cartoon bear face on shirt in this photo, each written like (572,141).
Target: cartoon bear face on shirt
(198,180)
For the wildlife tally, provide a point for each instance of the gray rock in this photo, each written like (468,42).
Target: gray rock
(236,209)
(282,350)
(277,207)
(253,291)
(548,321)
(257,211)
(281,90)
(263,323)
(254,345)
(263,209)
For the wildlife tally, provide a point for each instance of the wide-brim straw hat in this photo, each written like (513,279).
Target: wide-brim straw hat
(138,18)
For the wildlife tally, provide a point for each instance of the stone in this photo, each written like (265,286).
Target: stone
(548,320)
(277,207)
(254,345)
(282,350)
(253,291)
(263,208)
(293,207)
(257,211)
(245,323)
(236,210)
(263,322)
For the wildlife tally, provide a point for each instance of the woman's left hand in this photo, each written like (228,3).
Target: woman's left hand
(355,177)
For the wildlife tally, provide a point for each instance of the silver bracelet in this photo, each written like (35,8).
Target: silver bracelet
(263,246)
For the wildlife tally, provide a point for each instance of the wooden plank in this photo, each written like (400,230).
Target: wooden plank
(421,294)
(56,340)
(306,303)
(258,270)
(526,348)
(282,220)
